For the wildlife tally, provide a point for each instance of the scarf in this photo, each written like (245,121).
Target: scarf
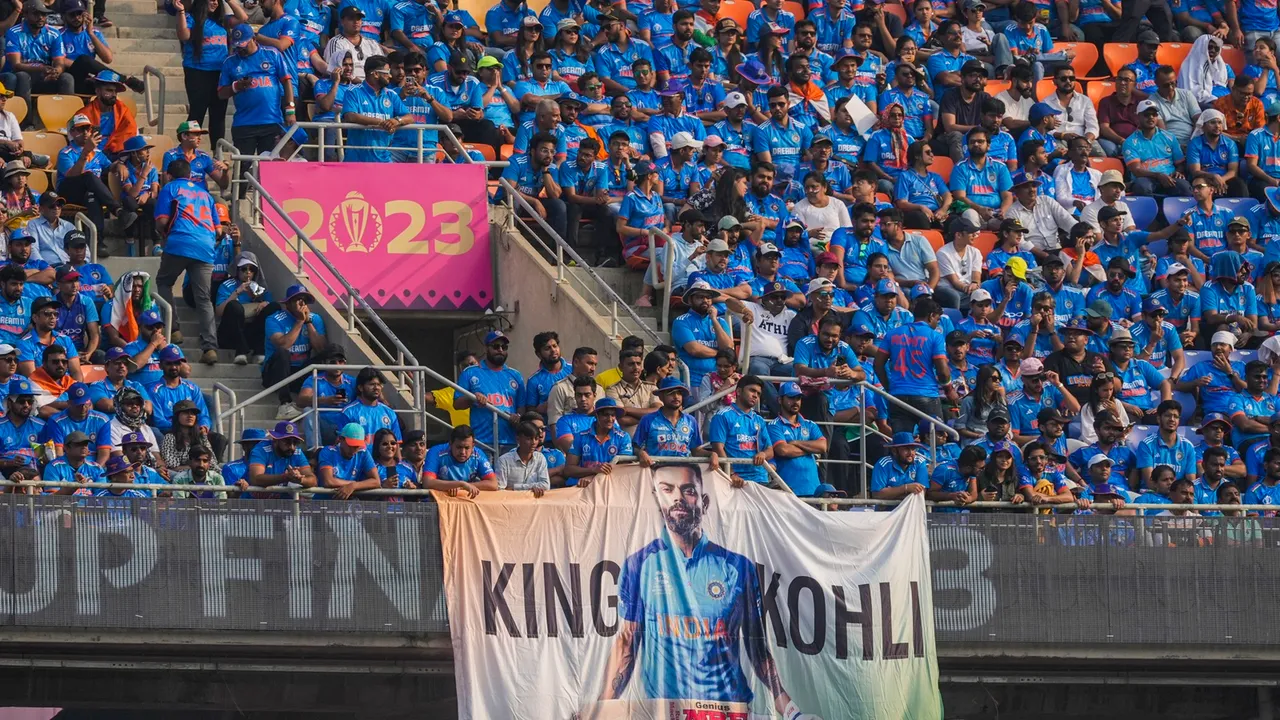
(900,138)
(1207,116)
(125,128)
(812,94)
(133,422)
(124,316)
(1199,74)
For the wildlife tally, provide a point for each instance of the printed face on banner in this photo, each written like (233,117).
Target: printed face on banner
(668,595)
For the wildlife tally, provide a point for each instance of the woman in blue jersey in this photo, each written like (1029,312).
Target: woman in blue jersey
(570,56)
(517,65)
(1265,70)
(202,32)
(392,471)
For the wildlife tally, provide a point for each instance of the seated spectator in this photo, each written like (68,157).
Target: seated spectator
(1109,433)
(35,54)
(172,388)
(375,105)
(17,199)
(130,421)
(1241,112)
(52,377)
(902,472)
(346,467)
(1227,302)
(79,416)
(139,184)
(280,460)
(81,165)
(40,275)
(1262,154)
(94,278)
(349,38)
(151,339)
(1139,381)
(983,184)
(1178,108)
(393,471)
(985,399)
(104,391)
(20,429)
(243,306)
(203,166)
(331,389)
(367,409)
(921,194)
(700,332)
(77,315)
(34,344)
(523,468)
(960,80)
(533,175)
(294,334)
(236,472)
(1206,76)
(1118,112)
(886,150)
(73,465)
(49,231)
(201,469)
(1153,155)
(1076,181)
(458,466)
(112,118)
(184,436)
(15,307)
(1251,410)
(464,94)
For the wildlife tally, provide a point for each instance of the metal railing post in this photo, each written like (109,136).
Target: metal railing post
(862,438)
(86,226)
(154,119)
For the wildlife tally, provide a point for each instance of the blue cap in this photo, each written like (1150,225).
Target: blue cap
(674,88)
(171,354)
(136,143)
(861,328)
(150,318)
(109,77)
(494,336)
(672,382)
(117,353)
(1001,446)
(78,394)
(1077,323)
(920,289)
(828,489)
(790,389)
(116,464)
(21,386)
(845,54)
(1020,178)
(283,430)
(1273,198)
(754,72)
(643,167)
(1040,111)
(253,435)
(1152,304)
(1213,417)
(775,288)
(903,439)
(1273,107)
(606,403)
(296,290)
(454,17)
(20,233)
(885,286)
(134,438)
(240,35)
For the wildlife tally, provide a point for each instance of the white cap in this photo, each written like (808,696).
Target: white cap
(684,139)
(734,99)
(972,216)
(767,248)
(1099,459)
(1175,268)
(1269,349)
(1146,105)
(718,245)
(817,284)
(7,349)
(1222,336)
(979,295)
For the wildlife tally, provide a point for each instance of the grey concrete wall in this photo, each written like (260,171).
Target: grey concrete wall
(526,283)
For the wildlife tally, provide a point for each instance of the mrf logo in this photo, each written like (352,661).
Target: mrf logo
(706,711)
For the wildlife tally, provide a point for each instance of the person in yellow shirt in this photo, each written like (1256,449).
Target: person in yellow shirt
(613,375)
(442,399)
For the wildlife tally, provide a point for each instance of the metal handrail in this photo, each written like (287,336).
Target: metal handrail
(168,314)
(516,198)
(218,390)
(86,226)
(1026,506)
(154,119)
(420,127)
(668,264)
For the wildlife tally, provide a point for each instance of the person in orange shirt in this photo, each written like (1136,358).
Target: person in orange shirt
(1242,109)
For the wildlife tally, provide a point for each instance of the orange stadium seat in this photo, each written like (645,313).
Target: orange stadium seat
(56,110)
(1086,56)
(794,8)
(1118,55)
(942,165)
(899,10)
(1173,54)
(995,87)
(1235,58)
(1105,164)
(18,107)
(985,242)
(44,143)
(739,10)
(1098,89)
(1045,88)
(934,237)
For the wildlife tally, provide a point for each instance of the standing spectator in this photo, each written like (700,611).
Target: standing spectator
(902,472)
(739,432)
(35,55)
(458,466)
(427,106)
(184,217)
(294,335)
(496,387)
(202,33)
(634,395)
(669,431)
(346,467)
(351,40)
(912,364)
(523,468)
(334,390)
(262,83)
(795,441)
(592,451)
(1118,112)
(560,399)
(81,165)
(243,306)
(1153,155)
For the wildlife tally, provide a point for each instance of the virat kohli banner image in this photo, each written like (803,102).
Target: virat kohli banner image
(668,595)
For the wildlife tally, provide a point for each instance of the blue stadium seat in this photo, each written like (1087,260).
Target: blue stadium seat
(1174,208)
(1238,206)
(956,316)
(1158,247)
(1196,356)
(1137,434)
(1244,356)
(1188,404)
(1144,210)
(1190,434)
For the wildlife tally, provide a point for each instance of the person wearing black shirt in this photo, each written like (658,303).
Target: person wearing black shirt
(960,110)
(1075,365)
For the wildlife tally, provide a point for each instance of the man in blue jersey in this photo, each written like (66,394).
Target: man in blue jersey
(346,467)
(781,141)
(294,334)
(367,409)
(35,54)
(376,106)
(593,450)
(725,594)
(15,307)
(796,441)
(551,369)
(458,466)
(701,332)
(174,388)
(185,219)
(496,387)
(280,460)
(669,432)
(81,166)
(739,432)
(911,362)
(261,81)
(464,94)
(237,471)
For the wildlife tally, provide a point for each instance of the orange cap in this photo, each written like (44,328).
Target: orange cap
(224,213)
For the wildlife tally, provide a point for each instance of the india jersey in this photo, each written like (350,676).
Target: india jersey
(692,612)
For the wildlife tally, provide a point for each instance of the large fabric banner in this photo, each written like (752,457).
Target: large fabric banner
(669,595)
(406,236)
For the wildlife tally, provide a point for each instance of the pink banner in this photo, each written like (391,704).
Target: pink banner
(407,237)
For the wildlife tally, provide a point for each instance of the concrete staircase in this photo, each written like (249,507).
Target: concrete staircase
(628,284)
(144,35)
(245,380)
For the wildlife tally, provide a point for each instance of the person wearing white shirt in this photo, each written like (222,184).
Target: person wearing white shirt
(820,213)
(959,262)
(1041,219)
(1075,182)
(1018,99)
(524,467)
(1110,191)
(1078,114)
(349,39)
(769,320)
(49,231)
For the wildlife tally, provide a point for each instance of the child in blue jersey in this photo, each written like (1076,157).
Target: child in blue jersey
(984,335)
(458,466)
(346,467)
